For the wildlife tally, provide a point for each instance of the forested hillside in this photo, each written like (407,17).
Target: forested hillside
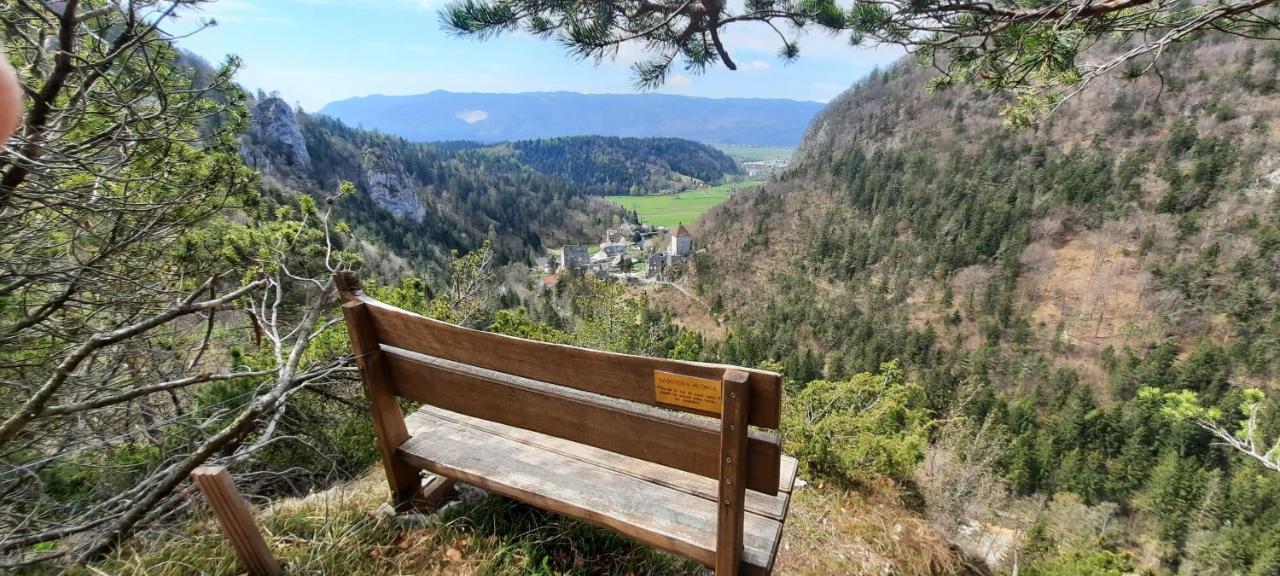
(616,166)
(1036,283)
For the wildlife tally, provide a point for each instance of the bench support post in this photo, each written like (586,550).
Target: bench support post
(388,419)
(237,523)
(734,399)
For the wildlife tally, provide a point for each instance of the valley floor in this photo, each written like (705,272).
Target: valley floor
(671,210)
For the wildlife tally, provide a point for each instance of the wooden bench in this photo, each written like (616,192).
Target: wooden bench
(662,451)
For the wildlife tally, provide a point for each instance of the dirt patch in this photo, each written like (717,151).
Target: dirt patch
(687,312)
(1093,287)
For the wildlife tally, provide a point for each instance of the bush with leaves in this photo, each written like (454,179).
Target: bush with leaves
(868,425)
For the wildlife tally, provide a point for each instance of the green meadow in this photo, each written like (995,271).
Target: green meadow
(671,209)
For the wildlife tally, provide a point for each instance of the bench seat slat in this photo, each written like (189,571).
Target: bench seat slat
(656,514)
(769,506)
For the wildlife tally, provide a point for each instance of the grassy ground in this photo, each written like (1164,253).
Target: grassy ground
(671,209)
(341,531)
(757,153)
(868,531)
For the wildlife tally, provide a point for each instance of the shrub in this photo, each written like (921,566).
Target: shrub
(868,425)
(1084,563)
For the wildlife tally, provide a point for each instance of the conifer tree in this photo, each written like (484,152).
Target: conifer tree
(1130,467)
(1170,496)
(1036,51)
(1023,466)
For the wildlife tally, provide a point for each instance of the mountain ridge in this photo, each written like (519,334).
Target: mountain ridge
(493,117)
(576,93)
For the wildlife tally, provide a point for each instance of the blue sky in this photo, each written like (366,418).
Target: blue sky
(317,51)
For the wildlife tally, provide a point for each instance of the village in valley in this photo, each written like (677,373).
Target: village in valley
(652,244)
(632,252)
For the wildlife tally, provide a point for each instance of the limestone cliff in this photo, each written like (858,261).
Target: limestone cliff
(274,143)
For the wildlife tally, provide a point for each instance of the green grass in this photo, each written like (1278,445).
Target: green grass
(754,153)
(344,534)
(672,209)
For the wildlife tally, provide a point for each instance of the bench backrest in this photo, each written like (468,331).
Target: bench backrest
(659,410)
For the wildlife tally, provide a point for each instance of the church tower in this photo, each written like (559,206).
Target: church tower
(681,242)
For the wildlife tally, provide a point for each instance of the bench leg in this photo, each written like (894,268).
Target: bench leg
(434,492)
(388,420)
(734,394)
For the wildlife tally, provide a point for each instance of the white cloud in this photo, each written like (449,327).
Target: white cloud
(680,80)
(758,65)
(759,38)
(629,53)
(414,4)
(472,116)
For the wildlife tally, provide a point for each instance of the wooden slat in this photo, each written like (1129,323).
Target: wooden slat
(774,507)
(237,523)
(673,439)
(621,376)
(388,420)
(733,472)
(650,513)
(790,466)
(787,475)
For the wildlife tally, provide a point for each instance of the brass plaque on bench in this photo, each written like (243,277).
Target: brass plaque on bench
(701,394)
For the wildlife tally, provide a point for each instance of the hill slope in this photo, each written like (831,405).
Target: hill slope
(887,206)
(609,165)
(1035,281)
(483,117)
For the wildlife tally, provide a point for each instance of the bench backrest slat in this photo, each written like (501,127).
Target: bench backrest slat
(685,442)
(622,376)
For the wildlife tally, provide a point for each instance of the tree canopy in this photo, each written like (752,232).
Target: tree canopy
(1033,50)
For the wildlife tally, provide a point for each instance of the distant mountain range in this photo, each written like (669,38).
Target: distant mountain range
(441,115)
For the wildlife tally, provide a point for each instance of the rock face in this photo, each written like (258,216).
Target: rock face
(275,144)
(389,185)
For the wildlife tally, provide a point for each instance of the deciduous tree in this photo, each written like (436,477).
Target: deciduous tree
(156,312)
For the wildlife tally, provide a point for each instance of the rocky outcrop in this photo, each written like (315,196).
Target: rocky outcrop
(389,185)
(274,143)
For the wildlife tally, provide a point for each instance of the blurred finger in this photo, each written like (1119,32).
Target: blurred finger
(10,99)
